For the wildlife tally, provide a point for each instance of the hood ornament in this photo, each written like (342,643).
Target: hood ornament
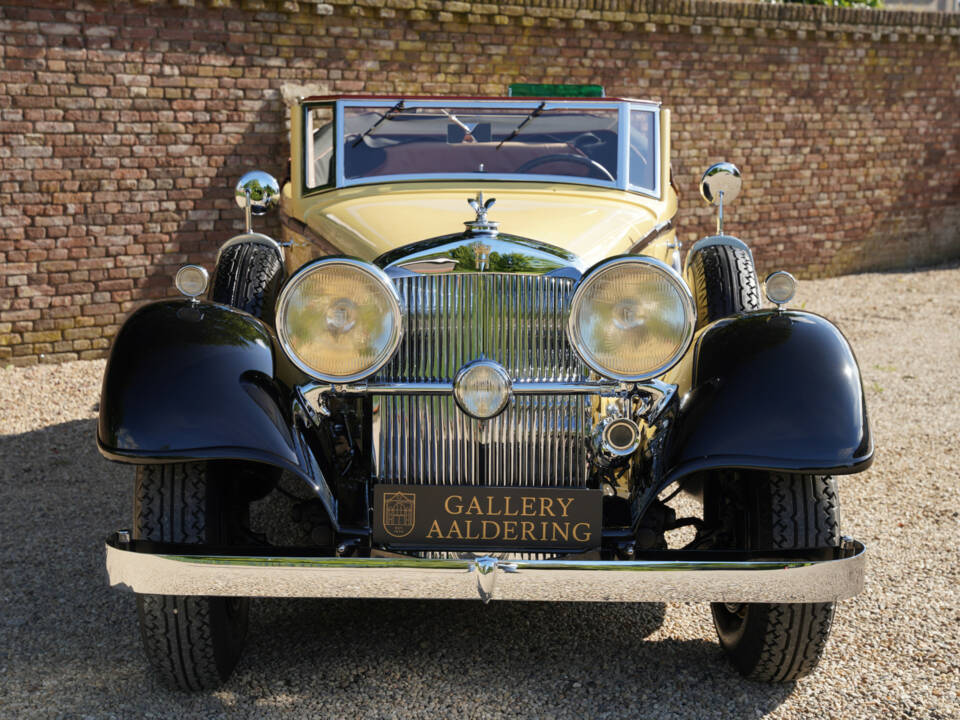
(482,226)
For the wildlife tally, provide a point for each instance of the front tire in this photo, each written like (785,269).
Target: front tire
(724,281)
(192,642)
(248,277)
(777,642)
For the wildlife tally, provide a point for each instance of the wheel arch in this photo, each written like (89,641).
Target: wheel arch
(199,381)
(778,391)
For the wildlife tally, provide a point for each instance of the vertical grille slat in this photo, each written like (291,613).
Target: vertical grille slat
(520,322)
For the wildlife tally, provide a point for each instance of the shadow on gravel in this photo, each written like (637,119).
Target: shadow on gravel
(506,658)
(69,644)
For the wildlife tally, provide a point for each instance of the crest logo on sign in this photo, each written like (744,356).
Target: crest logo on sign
(399,513)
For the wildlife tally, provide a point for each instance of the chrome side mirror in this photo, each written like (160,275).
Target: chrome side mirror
(720,183)
(257,193)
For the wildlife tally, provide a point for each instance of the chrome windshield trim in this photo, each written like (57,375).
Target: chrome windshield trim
(623,108)
(671,580)
(490,177)
(521,104)
(625,151)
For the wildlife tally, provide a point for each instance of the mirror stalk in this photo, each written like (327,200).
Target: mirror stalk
(719,212)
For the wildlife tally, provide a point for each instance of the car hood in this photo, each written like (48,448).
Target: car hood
(591,223)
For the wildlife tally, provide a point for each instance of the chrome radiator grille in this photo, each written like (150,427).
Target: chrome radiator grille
(516,320)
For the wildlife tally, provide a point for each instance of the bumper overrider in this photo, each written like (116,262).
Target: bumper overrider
(803,576)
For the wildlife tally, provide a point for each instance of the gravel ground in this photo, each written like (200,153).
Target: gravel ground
(69,645)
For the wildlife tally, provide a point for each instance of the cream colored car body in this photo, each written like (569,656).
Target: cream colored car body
(365,221)
(594,223)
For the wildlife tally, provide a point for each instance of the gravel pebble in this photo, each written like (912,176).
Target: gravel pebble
(69,645)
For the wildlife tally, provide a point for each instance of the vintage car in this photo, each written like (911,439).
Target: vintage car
(458,399)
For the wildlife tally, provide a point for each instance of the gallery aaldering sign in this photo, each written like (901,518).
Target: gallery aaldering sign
(487,518)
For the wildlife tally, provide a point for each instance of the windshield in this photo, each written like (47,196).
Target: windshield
(542,140)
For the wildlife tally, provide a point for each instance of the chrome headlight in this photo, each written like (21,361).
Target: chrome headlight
(631,318)
(339,319)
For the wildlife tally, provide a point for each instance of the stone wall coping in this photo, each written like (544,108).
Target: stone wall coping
(786,16)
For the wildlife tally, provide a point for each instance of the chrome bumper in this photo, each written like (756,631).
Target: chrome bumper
(734,581)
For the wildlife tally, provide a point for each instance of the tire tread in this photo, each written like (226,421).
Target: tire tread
(170,505)
(725,283)
(248,277)
(804,511)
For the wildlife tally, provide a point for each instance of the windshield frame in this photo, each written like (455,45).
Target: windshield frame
(623,108)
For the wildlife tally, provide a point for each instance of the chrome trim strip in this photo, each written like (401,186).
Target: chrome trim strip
(659,394)
(587,387)
(552,580)
(493,103)
(338,153)
(492,177)
(623,149)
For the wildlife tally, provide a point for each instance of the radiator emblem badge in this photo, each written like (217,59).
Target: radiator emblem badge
(482,253)
(399,513)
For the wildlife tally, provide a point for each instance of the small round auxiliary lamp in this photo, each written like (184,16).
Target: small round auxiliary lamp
(192,281)
(482,389)
(780,287)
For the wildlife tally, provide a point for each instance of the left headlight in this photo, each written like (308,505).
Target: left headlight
(339,319)
(631,318)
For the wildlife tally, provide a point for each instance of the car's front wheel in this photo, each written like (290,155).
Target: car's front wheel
(724,282)
(776,642)
(248,276)
(192,642)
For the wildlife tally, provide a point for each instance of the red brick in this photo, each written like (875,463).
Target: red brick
(123,127)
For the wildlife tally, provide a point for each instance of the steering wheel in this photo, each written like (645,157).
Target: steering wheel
(565,157)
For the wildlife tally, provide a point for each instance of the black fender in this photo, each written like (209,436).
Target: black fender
(771,391)
(197,381)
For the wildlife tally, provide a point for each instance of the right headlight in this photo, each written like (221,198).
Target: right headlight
(339,319)
(631,318)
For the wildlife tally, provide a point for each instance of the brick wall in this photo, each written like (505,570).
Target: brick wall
(124,126)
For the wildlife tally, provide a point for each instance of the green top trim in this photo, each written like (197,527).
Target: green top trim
(555,90)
